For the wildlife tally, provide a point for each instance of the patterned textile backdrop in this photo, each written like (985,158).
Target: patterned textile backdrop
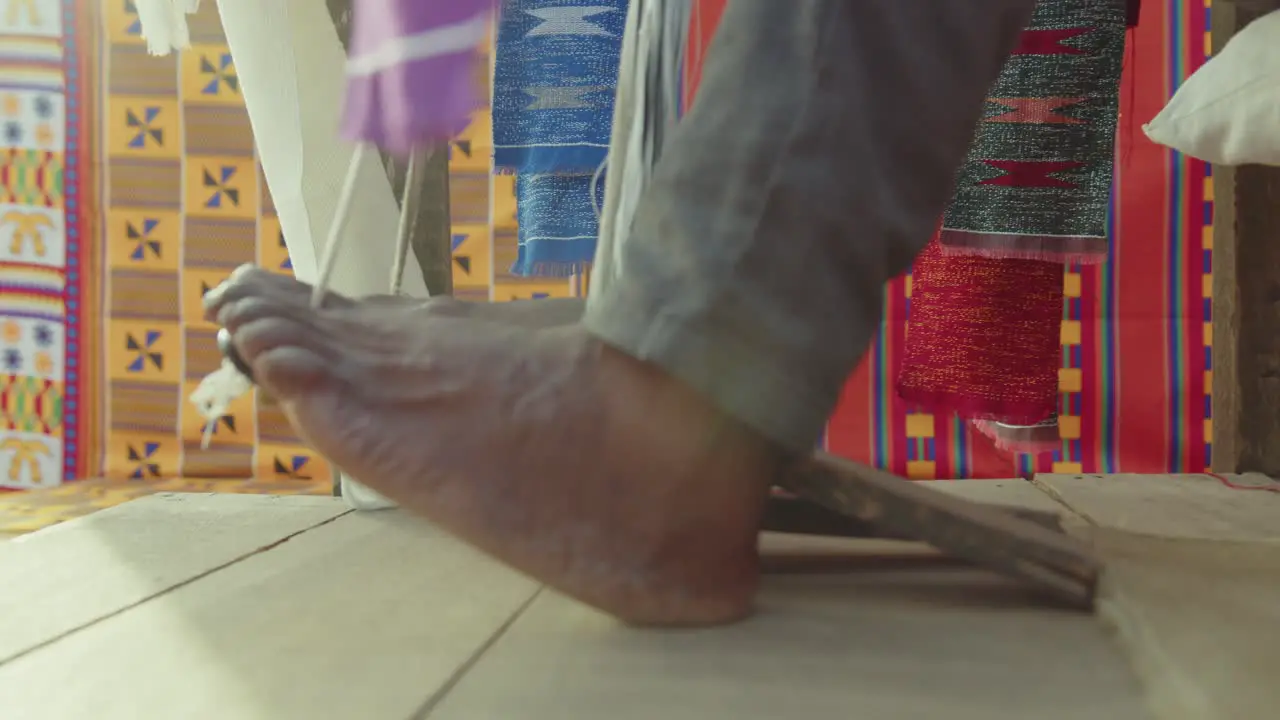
(483,208)
(1136,332)
(185,203)
(47,252)
(130,185)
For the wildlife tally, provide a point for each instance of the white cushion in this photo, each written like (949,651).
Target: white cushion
(1228,111)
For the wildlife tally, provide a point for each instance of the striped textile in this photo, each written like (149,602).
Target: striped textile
(411,71)
(185,205)
(986,306)
(47,291)
(1136,345)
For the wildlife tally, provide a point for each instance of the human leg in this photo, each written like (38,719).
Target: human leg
(628,473)
(755,265)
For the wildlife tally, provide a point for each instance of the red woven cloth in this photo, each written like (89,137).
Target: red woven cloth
(984,342)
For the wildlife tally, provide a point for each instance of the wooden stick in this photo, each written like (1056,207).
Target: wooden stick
(799,516)
(1052,561)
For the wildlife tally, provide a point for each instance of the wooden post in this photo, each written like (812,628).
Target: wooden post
(1246,295)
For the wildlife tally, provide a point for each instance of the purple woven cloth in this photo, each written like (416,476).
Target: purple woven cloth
(412,75)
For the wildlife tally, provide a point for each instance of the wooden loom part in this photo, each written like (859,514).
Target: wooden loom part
(1052,561)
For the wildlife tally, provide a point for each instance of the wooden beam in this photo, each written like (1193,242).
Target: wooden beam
(1246,295)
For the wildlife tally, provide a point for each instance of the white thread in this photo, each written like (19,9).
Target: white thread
(214,395)
(329,259)
(404,231)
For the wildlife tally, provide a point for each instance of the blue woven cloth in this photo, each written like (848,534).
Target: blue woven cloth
(555,72)
(558,224)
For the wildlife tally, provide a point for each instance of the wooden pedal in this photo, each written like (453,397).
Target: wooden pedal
(1050,560)
(798,516)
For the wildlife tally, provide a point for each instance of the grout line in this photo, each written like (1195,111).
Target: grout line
(200,576)
(443,691)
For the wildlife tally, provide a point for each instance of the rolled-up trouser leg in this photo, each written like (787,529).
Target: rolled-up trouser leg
(812,168)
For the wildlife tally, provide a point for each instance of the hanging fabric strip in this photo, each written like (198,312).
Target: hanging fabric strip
(557,220)
(1037,181)
(555,72)
(984,331)
(414,74)
(555,75)
(983,337)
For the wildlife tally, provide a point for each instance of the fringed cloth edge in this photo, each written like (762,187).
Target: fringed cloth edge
(1081,250)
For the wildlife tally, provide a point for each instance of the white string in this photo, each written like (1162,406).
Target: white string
(404,231)
(329,259)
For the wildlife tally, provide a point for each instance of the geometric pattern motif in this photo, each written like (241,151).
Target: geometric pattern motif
(31,177)
(485,229)
(41,221)
(31,405)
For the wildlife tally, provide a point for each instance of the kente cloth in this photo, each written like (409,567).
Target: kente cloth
(558,223)
(983,337)
(51,304)
(1037,180)
(186,205)
(555,71)
(413,74)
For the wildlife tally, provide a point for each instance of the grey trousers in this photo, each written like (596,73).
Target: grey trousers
(812,168)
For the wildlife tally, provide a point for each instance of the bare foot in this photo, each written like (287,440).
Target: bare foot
(587,469)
